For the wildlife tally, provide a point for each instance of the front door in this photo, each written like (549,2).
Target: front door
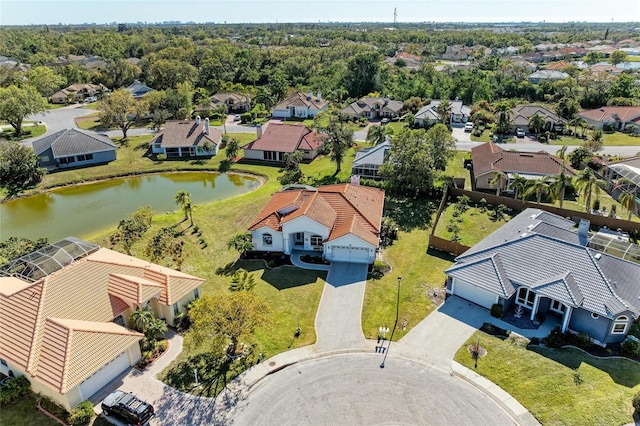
(298,238)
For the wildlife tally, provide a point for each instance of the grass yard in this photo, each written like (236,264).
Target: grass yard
(475,224)
(24,412)
(559,386)
(29,130)
(90,122)
(609,139)
(455,168)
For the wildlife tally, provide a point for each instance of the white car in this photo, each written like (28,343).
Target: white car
(520,132)
(468,126)
(90,99)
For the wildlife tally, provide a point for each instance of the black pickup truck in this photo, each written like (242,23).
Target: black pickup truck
(128,408)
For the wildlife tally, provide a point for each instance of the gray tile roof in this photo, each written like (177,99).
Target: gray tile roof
(563,288)
(624,276)
(375,155)
(487,273)
(73,142)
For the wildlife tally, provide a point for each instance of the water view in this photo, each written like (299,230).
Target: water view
(85,209)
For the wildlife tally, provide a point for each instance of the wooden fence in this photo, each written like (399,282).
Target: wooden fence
(446,246)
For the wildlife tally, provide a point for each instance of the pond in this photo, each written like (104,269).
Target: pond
(83,210)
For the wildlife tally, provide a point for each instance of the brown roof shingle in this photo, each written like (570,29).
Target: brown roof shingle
(185,133)
(489,157)
(286,138)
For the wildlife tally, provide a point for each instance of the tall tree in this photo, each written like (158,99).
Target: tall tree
(338,136)
(536,123)
(441,145)
(183,199)
(617,56)
(376,135)
(242,243)
(363,74)
(537,186)
(444,111)
(19,169)
(628,197)
(45,80)
(559,185)
(518,185)
(587,183)
(122,110)
(499,178)
(18,102)
(503,110)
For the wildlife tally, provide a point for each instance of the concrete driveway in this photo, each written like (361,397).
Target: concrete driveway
(437,338)
(338,320)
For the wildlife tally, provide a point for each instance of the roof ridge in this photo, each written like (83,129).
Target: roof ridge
(37,323)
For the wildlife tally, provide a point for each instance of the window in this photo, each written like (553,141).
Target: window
(3,362)
(557,306)
(176,309)
(620,325)
(267,239)
(196,293)
(594,315)
(44,158)
(316,240)
(526,297)
(85,157)
(67,160)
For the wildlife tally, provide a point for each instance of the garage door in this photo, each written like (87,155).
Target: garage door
(474,294)
(103,376)
(349,254)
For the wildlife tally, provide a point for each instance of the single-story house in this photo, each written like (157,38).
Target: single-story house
(74,148)
(64,310)
(521,115)
(610,69)
(546,75)
(299,105)
(187,138)
(138,90)
(343,222)
(279,139)
(368,161)
(373,107)
(411,62)
(541,263)
(235,102)
(428,116)
(75,92)
(488,158)
(615,116)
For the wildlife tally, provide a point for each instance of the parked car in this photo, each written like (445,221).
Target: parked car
(90,99)
(236,117)
(520,132)
(384,121)
(468,126)
(128,407)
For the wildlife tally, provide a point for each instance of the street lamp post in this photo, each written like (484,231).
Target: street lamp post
(394,324)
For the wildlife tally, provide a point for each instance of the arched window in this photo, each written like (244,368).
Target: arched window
(620,325)
(526,297)
(267,239)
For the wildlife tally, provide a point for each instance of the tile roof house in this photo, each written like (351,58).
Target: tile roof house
(411,62)
(368,161)
(63,311)
(546,75)
(137,89)
(279,139)
(74,148)
(521,115)
(538,261)
(299,105)
(373,107)
(610,69)
(615,116)
(235,102)
(489,158)
(187,138)
(342,221)
(428,116)
(75,92)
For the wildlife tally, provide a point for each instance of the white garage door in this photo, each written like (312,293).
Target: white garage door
(349,254)
(474,294)
(103,376)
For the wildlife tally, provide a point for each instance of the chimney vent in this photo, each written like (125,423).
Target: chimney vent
(310,94)
(197,120)
(206,126)
(319,96)
(259,131)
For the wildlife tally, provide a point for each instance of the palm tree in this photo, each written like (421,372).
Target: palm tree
(558,186)
(242,243)
(498,178)
(141,318)
(504,122)
(233,147)
(156,329)
(628,196)
(242,280)
(587,183)
(183,199)
(562,153)
(536,123)
(376,135)
(518,184)
(444,111)
(538,187)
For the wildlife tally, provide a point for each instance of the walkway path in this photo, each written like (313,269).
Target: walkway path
(338,320)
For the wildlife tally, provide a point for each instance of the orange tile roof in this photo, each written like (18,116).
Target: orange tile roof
(74,305)
(489,157)
(613,113)
(344,208)
(286,138)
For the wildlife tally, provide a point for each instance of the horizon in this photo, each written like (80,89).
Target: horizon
(147,12)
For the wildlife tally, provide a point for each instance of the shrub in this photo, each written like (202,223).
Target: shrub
(161,157)
(630,348)
(636,403)
(535,341)
(555,339)
(53,408)
(496,310)
(14,389)
(635,330)
(583,341)
(596,204)
(82,414)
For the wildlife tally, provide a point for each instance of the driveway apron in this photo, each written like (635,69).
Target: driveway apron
(338,321)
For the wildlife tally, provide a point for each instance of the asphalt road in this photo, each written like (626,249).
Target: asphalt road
(354,390)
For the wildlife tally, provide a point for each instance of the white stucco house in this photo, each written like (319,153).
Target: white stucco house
(342,222)
(300,105)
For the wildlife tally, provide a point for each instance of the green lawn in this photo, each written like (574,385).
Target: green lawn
(474,227)
(559,386)
(24,412)
(455,168)
(609,139)
(90,122)
(55,106)
(28,131)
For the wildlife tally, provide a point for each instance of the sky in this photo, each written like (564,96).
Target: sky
(26,12)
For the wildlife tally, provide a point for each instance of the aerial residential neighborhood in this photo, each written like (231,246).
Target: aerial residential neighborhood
(295,219)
